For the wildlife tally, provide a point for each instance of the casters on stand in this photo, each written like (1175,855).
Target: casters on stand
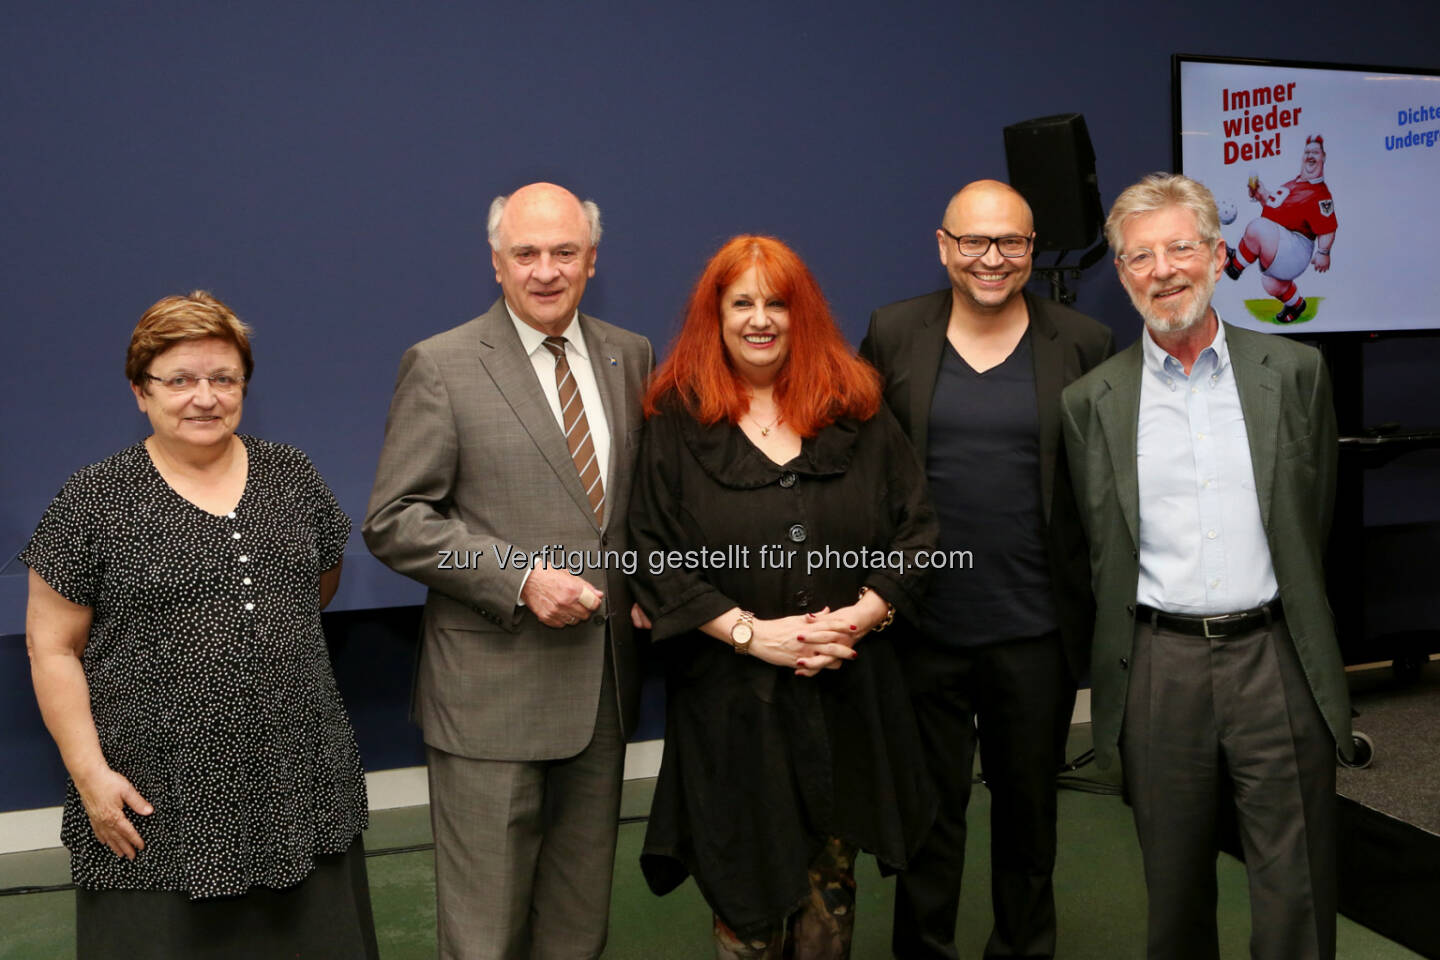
(1407,667)
(1364,752)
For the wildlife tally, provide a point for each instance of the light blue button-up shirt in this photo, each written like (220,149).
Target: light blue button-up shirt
(1202,542)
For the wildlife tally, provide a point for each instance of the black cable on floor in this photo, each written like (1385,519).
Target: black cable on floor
(387,851)
(53,888)
(1086,785)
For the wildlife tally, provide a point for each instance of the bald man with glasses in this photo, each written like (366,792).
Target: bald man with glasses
(973,373)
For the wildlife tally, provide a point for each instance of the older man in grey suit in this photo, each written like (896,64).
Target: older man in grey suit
(1204,465)
(503,487)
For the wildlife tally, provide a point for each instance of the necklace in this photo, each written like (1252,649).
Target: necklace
(765,428)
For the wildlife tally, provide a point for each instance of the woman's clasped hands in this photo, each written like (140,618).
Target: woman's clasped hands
(820,640)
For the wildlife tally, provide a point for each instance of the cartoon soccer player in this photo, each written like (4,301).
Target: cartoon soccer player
(1296,228)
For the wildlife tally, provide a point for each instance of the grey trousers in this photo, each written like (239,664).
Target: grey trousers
(524,850)
(1202,714)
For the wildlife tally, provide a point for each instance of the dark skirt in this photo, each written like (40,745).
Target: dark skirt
(324,917)
(761,767)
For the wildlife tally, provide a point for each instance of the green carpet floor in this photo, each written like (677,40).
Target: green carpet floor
(1101,895)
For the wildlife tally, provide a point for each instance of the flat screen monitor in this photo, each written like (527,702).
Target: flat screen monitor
(1327,178)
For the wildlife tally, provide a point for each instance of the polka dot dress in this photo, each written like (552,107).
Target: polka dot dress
(210,681)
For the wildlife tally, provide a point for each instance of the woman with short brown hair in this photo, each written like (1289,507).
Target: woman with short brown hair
(215,796)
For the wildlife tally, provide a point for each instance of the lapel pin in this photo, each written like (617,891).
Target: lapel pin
(613,361)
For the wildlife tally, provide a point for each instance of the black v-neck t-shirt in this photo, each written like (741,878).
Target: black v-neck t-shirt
(983,467)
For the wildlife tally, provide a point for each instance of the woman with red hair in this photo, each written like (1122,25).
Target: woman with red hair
(779,513)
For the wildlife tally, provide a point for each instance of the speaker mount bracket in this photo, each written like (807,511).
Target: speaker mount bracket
(1059,292)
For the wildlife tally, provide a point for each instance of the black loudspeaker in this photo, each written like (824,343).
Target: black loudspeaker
(1052,164)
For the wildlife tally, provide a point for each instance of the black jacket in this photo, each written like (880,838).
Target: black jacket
(906,342)
(760,766)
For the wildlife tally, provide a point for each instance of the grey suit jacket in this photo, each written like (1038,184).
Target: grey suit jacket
(474,463)
(906,342)
(1290,420)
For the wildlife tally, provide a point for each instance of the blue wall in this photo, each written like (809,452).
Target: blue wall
(325,167)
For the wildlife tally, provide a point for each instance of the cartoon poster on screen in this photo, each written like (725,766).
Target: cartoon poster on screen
(1328,185)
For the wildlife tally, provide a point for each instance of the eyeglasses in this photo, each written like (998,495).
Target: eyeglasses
(185,382)
(1179,253)
(1012,248)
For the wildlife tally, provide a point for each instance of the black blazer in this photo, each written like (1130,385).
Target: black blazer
(906,342)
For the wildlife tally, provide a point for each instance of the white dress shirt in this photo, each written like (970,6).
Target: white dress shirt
(1202,543)
(578,355)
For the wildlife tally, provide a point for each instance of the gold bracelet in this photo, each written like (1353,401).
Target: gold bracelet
(889,612)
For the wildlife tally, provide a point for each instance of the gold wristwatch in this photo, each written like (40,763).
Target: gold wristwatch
(743,632)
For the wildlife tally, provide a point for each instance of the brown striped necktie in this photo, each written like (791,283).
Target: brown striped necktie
(577,429)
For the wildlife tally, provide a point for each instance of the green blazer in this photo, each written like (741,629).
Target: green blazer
(1285,395)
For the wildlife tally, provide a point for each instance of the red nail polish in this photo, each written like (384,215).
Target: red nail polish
(853,627)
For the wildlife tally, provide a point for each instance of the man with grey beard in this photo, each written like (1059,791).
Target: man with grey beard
(1203,459)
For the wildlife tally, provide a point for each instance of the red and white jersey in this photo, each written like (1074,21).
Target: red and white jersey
(1302,206)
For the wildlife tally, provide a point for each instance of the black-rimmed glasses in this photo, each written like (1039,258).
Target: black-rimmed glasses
(971,245)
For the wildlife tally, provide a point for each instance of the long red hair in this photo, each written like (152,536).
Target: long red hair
(821,381)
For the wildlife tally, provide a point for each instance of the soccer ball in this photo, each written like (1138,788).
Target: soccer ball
(1227,211)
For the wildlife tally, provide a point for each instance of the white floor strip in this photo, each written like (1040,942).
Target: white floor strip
(642,760)
(29,829)
(404,787)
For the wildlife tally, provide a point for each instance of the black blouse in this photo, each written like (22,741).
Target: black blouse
(759,765)
(210,680)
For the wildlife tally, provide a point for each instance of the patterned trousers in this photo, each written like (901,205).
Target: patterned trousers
(823,926)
